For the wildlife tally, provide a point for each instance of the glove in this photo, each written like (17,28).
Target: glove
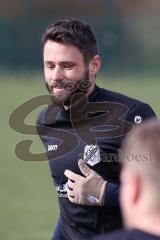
(88,190)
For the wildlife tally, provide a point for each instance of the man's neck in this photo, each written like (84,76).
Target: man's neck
(149,224)
(90,91)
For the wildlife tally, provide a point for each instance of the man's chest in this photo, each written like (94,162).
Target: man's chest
(65,146)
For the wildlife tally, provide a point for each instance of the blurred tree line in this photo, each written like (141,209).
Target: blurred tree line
(128,31)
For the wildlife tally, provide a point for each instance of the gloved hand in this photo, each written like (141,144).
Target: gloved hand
(87,190)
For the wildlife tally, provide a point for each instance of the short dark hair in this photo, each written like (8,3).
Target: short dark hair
(75,32)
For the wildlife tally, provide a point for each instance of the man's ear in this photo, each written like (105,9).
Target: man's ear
(130,185)
(136,186)
(94,65)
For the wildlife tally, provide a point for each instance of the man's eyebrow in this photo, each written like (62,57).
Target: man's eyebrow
(68,62)
(48,62)
(62,62)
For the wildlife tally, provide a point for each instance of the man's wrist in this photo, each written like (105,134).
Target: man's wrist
(103,193)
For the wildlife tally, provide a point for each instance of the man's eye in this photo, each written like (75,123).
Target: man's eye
(50,66)
(68,66)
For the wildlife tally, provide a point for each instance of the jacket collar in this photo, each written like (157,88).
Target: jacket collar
(53,112)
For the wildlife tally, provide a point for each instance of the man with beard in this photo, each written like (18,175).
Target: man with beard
(83,122)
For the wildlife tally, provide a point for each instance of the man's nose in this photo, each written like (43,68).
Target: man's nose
(57,74)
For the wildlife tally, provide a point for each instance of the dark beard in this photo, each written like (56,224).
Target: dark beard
(81,86)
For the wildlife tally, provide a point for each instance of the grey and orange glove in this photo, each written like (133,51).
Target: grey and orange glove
(87,190)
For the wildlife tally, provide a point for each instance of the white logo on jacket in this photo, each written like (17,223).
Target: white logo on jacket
(92,154)
(52,147)
(138,119)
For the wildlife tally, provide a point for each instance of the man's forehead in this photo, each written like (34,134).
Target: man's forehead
(59,46)
(63,52)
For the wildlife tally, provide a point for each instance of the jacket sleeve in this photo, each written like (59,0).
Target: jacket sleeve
(112,195)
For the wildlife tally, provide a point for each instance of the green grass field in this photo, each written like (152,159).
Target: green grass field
(28,202)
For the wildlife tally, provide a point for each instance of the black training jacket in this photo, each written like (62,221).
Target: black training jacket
(95,126)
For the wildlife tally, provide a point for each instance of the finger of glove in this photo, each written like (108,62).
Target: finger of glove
(70,193)
(71,175)
(71,199)
(84,168)
(70,184)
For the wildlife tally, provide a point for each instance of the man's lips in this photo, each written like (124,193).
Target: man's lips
(57,86)
(57,89)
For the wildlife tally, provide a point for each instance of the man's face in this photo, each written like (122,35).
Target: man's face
(64,69)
